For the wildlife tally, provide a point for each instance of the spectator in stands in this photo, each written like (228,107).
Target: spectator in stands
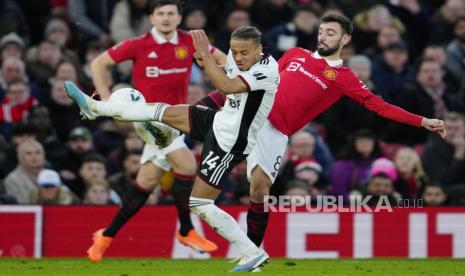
(301,148)
(8,154)
(438,53)
(97,192)
(194,17)
(386,36)
(50,190)
(297,187)
(273,13)
(380,185)
(433,195)
(121,181)
(131,143)
(456,51)
(411,175)
(69,161)
(12,68)
(369,22)
(427,96)
(45,133)
(443,159)
(43,68)
(443,21)
(92,18)
(129,19)
(391,71)
(310,172)
(353,167)
(15,106)
(235,19)
(56,31)
(64,114)
(93,166)
(4,197)
(302,31)
(21,183)
(67,71)
(11,45)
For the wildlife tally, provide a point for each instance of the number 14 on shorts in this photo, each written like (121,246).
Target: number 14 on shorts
(210,160)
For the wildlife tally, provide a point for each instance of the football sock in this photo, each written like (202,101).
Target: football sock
(131,203)
(223,224)
(257,220)
(131,112)
(181,190)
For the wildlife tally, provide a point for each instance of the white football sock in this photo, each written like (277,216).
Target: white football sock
(223,224)
(131,112)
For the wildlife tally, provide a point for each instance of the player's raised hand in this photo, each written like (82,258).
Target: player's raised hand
(201,42)
(434,125)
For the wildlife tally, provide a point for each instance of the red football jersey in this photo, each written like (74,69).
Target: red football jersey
(161,68)
(310,85)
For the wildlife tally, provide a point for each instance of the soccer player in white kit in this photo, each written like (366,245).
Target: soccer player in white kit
(229,135)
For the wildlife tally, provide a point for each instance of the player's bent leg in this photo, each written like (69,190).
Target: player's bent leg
(147,179)
(202,204)
(257,218)
(176,116)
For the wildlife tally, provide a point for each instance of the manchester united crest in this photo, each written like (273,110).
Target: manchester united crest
(329,73)
(180,52)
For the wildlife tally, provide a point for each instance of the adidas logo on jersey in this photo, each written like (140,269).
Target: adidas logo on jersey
(273,174)
(301,59)
(152,55)
(204,172)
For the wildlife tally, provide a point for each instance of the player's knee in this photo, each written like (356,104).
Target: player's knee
(259,186)
(185,168)
(199,206)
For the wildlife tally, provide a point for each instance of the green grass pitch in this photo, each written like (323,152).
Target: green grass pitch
(132,267)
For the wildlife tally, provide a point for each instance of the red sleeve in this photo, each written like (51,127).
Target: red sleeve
(356,90)
(125,50)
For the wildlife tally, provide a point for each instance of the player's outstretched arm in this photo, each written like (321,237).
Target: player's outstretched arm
(216,74)
(99,67)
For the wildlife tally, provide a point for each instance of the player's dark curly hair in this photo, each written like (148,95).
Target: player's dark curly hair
(155,4)
(346,25)
(247,33)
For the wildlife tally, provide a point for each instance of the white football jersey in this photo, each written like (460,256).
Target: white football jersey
(243,114)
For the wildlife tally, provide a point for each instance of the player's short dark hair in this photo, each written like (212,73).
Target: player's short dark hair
(345,23)
(247,33)
(155,4)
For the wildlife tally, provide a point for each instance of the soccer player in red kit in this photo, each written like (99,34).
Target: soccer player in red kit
(310,84)
(162,60)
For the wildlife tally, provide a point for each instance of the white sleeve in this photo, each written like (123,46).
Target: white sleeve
(259,78)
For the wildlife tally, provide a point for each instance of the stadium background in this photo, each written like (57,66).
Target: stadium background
(410,52)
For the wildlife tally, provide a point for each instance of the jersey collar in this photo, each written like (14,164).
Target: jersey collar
(161,40)
(332,63)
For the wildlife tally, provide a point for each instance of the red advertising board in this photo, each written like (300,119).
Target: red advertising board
(406,233)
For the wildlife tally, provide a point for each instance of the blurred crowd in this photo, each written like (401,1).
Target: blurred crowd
(409,52)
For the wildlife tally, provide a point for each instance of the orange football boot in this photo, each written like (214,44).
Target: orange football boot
(195,241)
(99,246)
